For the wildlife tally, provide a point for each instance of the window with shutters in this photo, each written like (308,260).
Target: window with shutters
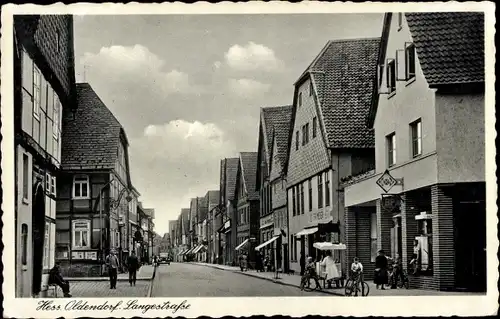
(391,75)
(410,61)
(391,149)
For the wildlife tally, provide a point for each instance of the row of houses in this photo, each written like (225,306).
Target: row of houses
(382,149)
(75,200)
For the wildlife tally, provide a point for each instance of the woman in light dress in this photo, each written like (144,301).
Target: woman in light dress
(328,263)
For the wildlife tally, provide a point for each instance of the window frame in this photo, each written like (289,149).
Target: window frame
(88,230)
(297,140)
(410,48)
(391,78)
(302,198)
(391,149)
(81,183)
(310,194)
(37,92)
(26,178)
(300,99)
(315,127)
(293,202)
(416,128)
(327,189)
(310,88)
(307,132)
(400,21)
(320,190)
(46,247)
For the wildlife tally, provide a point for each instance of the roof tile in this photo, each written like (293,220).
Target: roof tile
(450,45)
(277,121)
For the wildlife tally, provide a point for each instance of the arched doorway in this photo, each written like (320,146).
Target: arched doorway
(38,220)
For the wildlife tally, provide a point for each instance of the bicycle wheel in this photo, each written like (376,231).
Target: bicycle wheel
(348,287)
(308,286)
(365,289)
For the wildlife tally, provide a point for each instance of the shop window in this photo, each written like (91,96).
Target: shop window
(24,244)
(320,190)
(391,149)
(373,236)
(81,187)
(424,241)
(416,138)
(81,234)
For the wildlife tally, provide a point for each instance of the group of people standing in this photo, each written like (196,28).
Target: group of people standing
(112,264)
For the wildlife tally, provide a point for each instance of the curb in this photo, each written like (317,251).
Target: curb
(150,289)
(104,279)
(270,279)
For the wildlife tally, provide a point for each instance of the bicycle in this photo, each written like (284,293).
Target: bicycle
(356,285)
(305,282)
(401,282)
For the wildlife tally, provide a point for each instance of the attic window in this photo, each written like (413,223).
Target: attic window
(310,88)
(391,75)
(410,61)
(297,137)
(300,99)
(400,21)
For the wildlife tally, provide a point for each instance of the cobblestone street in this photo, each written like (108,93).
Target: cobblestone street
(96,289)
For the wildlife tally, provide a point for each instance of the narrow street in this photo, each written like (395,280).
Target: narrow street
(188,280)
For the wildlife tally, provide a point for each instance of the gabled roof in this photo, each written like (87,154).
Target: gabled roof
(449,45)
(185,220)
(91,138)
(201,209)
(343,77)
(212,198)
(248,166)
(281,130)
(230,174)
(270,117)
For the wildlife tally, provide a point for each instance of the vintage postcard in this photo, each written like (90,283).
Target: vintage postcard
(248,159)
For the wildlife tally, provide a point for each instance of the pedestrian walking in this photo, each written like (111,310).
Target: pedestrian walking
(112,263)
(302,263)
(133,266)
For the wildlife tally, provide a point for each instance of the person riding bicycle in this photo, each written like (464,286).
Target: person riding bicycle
(310,271)
(357,273)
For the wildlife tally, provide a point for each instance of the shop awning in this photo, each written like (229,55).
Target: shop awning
(241,245)
(182,252)
(329,246)
(197,249)
(225,227)
(266,243)
(307,231)
(189,251)
(266,225)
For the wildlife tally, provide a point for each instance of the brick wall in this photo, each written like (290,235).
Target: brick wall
(384,225)
(443,235)
(409,209)
(357,240)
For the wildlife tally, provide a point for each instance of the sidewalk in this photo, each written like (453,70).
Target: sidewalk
(144,273)
(294,280)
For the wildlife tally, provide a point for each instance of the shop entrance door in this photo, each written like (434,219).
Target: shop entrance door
(470,246)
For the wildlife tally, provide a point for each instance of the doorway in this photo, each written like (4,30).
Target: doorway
(38,220)
(470,246)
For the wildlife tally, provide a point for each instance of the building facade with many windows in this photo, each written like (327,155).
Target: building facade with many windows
(44,90)
(328,140)
(428,118)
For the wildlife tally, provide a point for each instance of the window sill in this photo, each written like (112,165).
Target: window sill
(391,95)
(414,157)
(410,81)
(26,201)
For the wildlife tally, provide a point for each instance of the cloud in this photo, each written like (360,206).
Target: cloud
(247,88)
(252,56)
(217,64)
(122,64)
(184,141)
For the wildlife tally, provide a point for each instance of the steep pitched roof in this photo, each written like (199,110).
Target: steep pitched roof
(450,46)
(281,129)
(249,173)
(90,140)
(201,209)
(231,175)
(212,198)
(343,77)
(185,220)
(270,118)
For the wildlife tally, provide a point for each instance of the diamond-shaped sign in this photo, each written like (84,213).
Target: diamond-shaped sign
(386,181)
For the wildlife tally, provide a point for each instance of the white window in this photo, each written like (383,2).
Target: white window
(81,187)
(46,247)
(37,95)
(391,149)
(53,186)
(56,118)
(391,75)
(50,184)
(81,234)
(416,138)
(410,60)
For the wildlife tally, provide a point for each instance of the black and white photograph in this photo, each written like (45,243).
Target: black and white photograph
(291,156)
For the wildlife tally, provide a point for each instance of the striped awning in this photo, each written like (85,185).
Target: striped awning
(241,245)
(267,242)
(197,249)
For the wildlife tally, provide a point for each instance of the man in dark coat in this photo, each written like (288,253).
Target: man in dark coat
(381,269)
(56,278)
(133,266)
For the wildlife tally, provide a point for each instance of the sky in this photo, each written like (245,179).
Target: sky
(188,88)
